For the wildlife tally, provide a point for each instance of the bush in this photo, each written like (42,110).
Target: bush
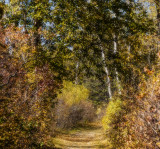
(72,93)
(73,107)
(144,118)
(69,116)
(134,123)
(111,123)
(113,110)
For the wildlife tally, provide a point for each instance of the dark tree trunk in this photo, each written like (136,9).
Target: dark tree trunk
(158,14)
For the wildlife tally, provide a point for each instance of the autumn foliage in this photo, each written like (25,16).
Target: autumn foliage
(61,60)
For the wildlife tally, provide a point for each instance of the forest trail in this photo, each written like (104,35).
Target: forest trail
(82,138)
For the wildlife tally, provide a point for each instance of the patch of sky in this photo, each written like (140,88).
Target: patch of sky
(70,48)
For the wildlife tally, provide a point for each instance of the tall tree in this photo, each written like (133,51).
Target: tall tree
(89,26)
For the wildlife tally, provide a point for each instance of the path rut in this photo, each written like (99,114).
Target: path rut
(82,139)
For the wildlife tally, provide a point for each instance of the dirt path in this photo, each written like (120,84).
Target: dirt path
(83,138)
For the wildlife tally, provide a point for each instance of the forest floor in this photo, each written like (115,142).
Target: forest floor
(84,137)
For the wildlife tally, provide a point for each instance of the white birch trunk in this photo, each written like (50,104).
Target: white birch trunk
(129,49)
(118,82)
(116,72)
(115,44)
(107,73)
(77,67)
